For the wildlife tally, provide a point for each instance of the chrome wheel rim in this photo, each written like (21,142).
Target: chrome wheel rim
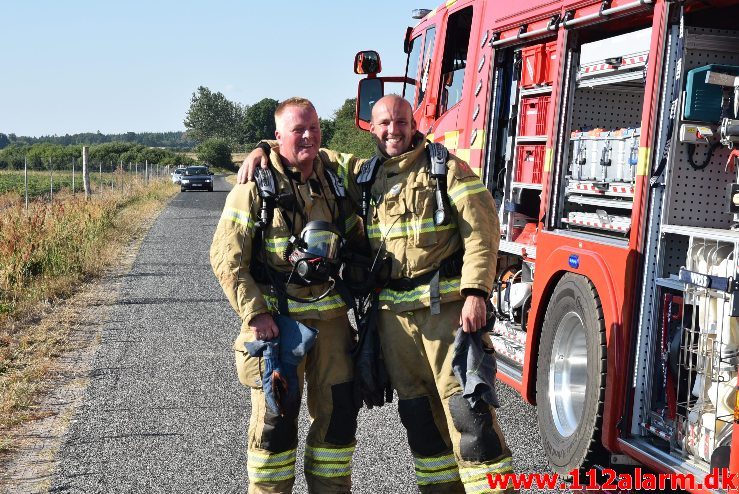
(568,374)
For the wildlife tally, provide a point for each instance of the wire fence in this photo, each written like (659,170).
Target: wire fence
(67,178)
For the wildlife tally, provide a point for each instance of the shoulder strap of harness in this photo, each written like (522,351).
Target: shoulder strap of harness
(266,182)
(339,192)
(334,182)
(267,186)
(365,179)
(438,157)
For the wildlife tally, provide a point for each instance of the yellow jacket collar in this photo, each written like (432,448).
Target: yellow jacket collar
(410,157)
(274,157)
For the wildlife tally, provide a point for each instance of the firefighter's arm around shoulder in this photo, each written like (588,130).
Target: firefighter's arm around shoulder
(230,252)
(347,167)
(477,221)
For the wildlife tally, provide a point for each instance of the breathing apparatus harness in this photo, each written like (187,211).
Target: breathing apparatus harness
(314,254)
(451,266)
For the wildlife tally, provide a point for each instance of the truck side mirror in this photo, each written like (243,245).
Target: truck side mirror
(367,62)
(370,90)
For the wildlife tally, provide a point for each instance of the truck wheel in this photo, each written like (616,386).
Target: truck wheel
(571,375)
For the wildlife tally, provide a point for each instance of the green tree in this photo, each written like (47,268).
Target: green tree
(327,130)
(346,137)
(4,141)
(259,121)
(212,116)
(216,152)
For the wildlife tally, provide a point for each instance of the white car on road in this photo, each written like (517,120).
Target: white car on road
(177,175)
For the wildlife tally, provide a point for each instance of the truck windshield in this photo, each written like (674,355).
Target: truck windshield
(411,71)
(428,50)
(455,58)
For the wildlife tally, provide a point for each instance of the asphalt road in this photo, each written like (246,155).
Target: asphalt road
(164,411)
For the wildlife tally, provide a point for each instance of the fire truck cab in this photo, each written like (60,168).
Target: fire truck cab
(605,130)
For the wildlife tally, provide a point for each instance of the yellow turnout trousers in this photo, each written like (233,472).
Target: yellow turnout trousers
(329,372)
(454,446)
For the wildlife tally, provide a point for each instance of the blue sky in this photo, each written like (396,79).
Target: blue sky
(83,66)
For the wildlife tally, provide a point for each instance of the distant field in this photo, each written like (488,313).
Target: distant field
(237,158)
(39,182)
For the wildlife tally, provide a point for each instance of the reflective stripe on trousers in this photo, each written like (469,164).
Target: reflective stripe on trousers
(264,466)
(329,462)
(436,470)
(475,478)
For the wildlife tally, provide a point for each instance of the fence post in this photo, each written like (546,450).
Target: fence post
(51,181)
(25,179)
(73,160)
(146,175)
(86,171)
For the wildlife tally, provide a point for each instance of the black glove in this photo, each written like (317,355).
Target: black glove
(371,381)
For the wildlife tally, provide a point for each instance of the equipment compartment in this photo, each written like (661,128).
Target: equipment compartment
(693,389)
(604,125)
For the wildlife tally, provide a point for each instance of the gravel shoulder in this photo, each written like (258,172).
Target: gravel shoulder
(31,465)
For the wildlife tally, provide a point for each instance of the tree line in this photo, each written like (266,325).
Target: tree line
(169,140)
(215,128)
(212,116)
(45,155)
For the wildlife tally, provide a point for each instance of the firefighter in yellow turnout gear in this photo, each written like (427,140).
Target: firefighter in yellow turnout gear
(428,297)
(250,282)
(454,446)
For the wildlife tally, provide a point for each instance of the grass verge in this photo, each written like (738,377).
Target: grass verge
(46,253)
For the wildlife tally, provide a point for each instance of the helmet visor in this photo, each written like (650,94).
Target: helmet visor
(323,243)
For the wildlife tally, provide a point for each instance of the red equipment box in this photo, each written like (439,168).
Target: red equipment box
(539,64)
(533,116)
(530,161)
(527,235)
(550,62)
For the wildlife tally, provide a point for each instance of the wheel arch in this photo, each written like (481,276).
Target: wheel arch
(548,275)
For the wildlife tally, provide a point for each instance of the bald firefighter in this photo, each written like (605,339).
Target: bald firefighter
(249,259)
(441,257)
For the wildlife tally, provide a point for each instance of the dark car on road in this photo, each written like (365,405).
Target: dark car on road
(197,178)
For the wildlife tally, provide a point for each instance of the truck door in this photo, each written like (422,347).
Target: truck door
(451,76)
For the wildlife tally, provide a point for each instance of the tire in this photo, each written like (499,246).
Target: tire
(569,390)
(182,189)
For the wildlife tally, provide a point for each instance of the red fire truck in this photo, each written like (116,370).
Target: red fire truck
(605,131)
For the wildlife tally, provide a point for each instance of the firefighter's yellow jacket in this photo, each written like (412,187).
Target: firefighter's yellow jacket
(401,223)
(234,239)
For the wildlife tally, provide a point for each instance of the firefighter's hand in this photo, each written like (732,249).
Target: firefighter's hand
(473,315)
(263,326)
(256,158)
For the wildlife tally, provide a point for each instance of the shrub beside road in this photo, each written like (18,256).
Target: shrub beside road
(46,252)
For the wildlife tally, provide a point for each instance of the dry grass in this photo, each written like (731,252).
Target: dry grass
(45,255)
(238,158)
